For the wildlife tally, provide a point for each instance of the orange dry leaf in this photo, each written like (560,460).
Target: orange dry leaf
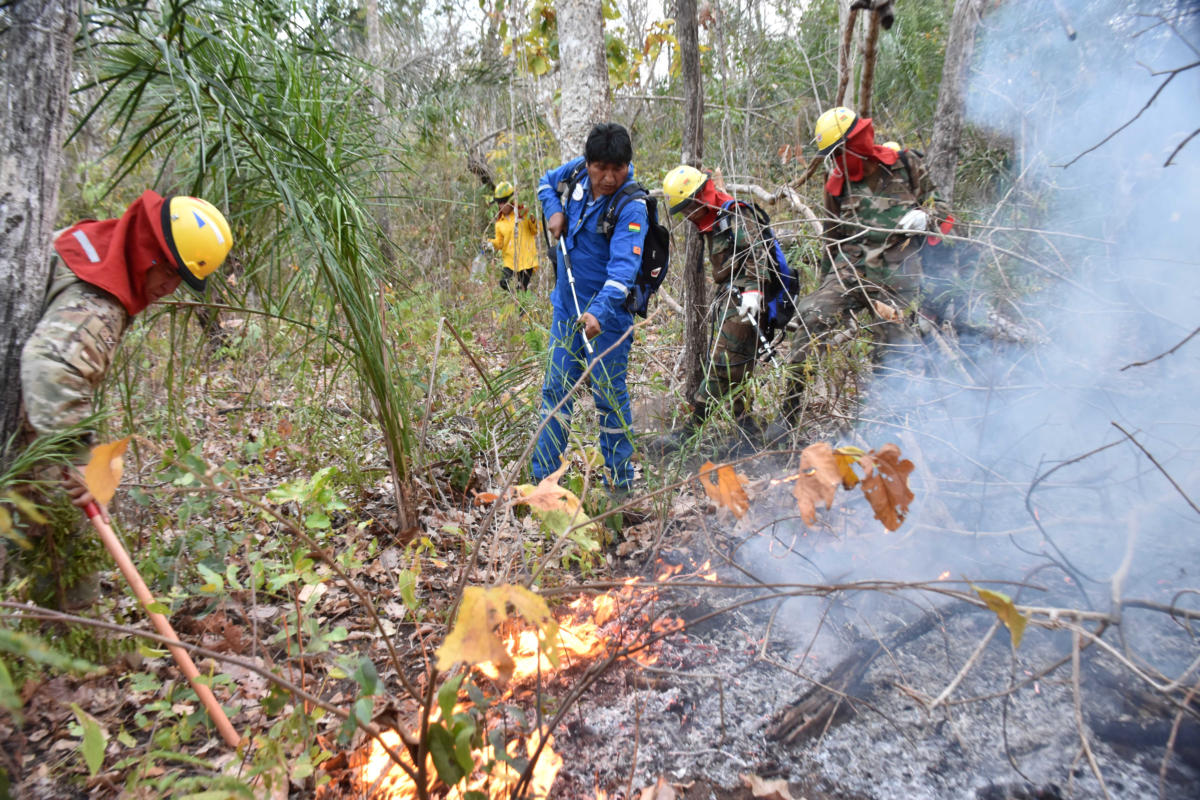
(548,495)
(885,484)
(728,490)
(886,311)
(845,458)
(659,791)
(483,498)
(103,472)
(817,482)
(767,790)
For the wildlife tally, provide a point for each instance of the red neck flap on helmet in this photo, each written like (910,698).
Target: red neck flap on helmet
(713,199)
(115,254)
(851,156)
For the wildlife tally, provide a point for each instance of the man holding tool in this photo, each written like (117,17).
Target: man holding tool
(105,273)
(598,259)
(755,290)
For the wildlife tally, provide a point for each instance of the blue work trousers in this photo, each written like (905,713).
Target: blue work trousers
(567,362)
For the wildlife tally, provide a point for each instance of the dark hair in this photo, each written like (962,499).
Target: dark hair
(608,142)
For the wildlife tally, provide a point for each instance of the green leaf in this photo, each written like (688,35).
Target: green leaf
(318,521)
(366,677)
(538,66)
(447,696)
(462,747)
(94,740)
(158,607)
(407,584)
(215,583)
(441,749)
(10,701)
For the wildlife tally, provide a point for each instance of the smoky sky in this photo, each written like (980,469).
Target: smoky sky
(1102,270)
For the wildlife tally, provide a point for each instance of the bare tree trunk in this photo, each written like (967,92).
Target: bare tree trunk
(948,121)
(35,68)
(585,97)
(868,73)
(846,51)
(695,294)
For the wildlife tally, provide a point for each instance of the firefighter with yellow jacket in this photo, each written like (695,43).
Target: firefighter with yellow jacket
(515,239)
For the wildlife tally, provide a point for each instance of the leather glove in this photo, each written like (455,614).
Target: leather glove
(914,221)
(750,306)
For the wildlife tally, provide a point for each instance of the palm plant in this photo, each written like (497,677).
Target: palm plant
(252,106)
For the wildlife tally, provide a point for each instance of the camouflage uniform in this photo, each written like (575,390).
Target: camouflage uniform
(69,353)
(741,259)
(62,365)
(867,260)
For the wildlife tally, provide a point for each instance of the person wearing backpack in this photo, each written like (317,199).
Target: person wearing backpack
(755,291)
(598,262)
(516,238)
(879,203)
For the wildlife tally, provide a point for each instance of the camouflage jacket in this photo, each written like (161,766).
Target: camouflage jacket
(70,351)
(739,252)
(879,201)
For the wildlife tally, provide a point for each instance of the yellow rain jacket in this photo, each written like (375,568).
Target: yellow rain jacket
(521,248)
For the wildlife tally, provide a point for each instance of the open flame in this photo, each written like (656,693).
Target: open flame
(588,628)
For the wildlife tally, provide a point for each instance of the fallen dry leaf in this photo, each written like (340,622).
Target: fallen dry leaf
(728,490)
(885,484)
(768,790)
(103,472)
(886,311)
(659,791)
(483,498)
(548,495)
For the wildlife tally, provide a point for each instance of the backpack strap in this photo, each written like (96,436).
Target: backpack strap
(632,190)
(567,184)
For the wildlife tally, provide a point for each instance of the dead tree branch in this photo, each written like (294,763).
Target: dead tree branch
(1172,351)
(1160,467)
(1171,75)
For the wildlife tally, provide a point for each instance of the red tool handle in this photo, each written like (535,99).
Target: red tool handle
(162,625)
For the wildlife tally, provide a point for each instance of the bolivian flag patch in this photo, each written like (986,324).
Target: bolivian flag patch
(635,226)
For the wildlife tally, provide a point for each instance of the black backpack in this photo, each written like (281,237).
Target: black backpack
(780,293)
(655,250)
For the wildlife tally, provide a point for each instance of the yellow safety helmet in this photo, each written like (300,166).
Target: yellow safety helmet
(504,190)
(198,237)
(833,127)
(892,145)
(681,185)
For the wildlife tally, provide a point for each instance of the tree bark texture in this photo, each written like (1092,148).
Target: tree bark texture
(870,50)
(35,68)
(695,291)
(948,120)
(584,70)
(845,51)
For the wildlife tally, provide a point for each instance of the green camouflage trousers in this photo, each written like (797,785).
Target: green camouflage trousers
(845,291)
(731,361)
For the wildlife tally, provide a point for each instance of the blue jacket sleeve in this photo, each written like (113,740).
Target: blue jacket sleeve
(547,190)
(624,260)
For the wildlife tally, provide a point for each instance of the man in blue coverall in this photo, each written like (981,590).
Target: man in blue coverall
(604,269)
